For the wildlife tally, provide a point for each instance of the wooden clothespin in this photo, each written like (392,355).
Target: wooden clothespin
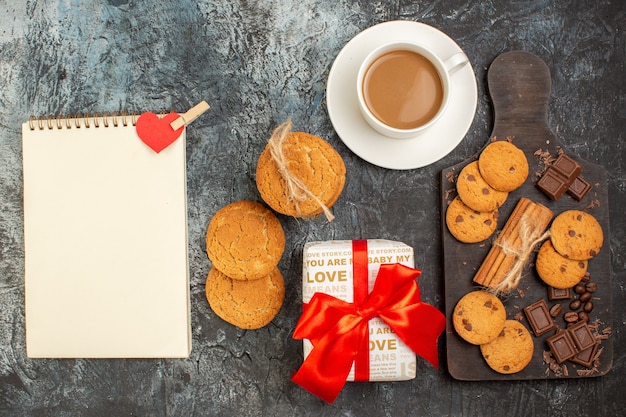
(190,115)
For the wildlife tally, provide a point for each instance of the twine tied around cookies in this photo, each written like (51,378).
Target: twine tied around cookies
(529,237)
(297,191)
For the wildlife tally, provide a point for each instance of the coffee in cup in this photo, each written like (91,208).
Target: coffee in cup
(403,88)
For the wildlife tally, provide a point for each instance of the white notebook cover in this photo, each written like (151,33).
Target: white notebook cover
(105,231)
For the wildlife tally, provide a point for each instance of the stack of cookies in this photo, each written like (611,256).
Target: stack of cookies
(479,318)
(298,174)
(575,238)
(482,187)
(245,242)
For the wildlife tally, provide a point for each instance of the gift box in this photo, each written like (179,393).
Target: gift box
(362,319)
(327,268)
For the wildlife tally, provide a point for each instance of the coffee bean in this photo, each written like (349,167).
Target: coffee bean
(586,277)
(575,304)
(586,296)
(555,310)
(588,307)
(579,289)
(591,286)
(571,317)
(582,316)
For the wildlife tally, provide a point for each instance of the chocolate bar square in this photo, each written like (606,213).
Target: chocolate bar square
(559,293)
(552,185)
(579,188)
(561,346)
(567,168)
(586,357)
(581,335)
(539,317)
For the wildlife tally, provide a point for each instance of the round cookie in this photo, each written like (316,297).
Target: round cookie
(475,192)
(245,240)
(511,351)
(245,304)
(311,160)
(478,317)
(556,270)
(503,165)
(576,235)
(467,225)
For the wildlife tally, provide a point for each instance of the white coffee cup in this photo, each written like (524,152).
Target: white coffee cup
(398,91)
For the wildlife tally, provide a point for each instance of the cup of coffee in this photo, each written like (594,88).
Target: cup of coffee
(404,87)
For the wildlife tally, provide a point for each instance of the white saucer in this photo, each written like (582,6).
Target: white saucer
(432,144)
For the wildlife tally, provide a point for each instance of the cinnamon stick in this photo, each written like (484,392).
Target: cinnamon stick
(540,217)
(503,265)
(495,257)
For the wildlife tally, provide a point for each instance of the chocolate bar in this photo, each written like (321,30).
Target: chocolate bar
(577,344)
(560,177)
(539,317)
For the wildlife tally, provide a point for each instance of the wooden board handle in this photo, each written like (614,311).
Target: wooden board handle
(519,85)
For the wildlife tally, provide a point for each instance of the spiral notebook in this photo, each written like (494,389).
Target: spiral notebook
(105,232)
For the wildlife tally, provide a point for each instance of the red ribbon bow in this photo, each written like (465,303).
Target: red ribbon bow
(339,331)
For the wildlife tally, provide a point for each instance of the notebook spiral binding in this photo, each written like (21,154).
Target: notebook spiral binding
(86,120)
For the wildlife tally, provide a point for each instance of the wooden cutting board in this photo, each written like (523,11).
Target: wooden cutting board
(519,85)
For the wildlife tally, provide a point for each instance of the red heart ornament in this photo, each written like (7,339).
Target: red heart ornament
(156,132)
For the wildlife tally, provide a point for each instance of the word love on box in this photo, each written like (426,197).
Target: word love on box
(363,319)
(327,267)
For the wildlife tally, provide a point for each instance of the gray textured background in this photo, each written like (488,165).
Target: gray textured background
(258,63)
